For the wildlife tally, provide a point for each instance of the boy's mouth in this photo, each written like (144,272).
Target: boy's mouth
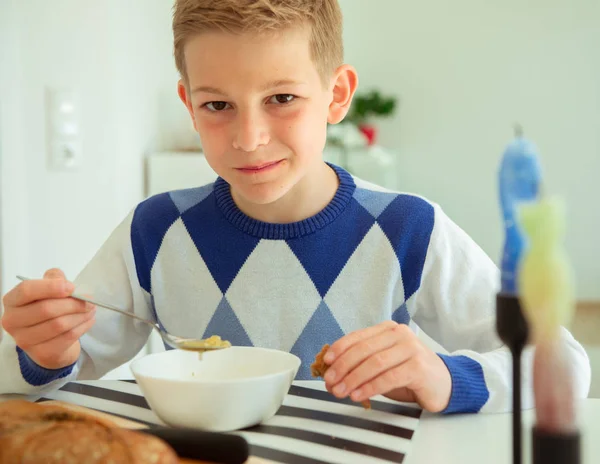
(255,168)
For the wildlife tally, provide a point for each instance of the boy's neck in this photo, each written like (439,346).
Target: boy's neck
(307,198)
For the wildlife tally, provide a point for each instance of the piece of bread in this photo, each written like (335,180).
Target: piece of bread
(34,433)
(318,369)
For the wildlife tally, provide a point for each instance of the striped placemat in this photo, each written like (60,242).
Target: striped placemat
(312,426)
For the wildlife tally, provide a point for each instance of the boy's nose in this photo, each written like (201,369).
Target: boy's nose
(250,133)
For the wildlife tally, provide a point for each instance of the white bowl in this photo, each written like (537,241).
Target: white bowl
(227,390)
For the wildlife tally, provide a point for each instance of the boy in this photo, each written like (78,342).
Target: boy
(283,250)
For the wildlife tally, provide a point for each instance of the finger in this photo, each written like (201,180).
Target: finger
(34,290)
(344,343)
(46,353)
(54,273)
(363,350)
(402,376)
(373,367)
(45,310)
(29,337)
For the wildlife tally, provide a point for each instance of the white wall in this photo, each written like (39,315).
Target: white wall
(465,71)
(117,55)
(13,220)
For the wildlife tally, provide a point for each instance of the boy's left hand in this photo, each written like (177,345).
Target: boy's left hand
(388,359)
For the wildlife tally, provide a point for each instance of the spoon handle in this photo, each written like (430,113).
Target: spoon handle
(104,305)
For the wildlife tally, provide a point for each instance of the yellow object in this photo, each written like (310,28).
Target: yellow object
(546,287)
(210,343)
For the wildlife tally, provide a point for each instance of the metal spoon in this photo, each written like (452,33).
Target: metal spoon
(188,344)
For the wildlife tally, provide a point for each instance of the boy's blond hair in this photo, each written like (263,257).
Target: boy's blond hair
(323,17)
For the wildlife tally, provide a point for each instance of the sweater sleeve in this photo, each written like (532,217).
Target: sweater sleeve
(455,306)
(113,340)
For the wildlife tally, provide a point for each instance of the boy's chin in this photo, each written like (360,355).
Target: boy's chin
(262,195)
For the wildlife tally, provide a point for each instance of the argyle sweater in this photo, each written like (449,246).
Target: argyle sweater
(196,264)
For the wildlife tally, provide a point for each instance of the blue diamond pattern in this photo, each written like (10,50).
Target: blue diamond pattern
(374,202)
(314,253)
(151,220)
(167,347)
(223,248)
(401,315)
(188,198)
(321,328)
(408,223)
(227,325)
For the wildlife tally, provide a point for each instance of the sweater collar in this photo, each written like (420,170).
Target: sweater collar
(274,231)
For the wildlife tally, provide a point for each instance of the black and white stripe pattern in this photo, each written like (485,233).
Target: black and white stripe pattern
(312,426)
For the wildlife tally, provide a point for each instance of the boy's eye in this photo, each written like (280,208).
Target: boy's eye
(216,106)
(282,98)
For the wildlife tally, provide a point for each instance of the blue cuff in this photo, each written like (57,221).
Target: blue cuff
(469,391)
(37,375)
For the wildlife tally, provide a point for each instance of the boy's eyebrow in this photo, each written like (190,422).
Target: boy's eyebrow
(280,83)
(267,86)
(208,89)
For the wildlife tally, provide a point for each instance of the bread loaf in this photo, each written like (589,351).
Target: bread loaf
(33,433)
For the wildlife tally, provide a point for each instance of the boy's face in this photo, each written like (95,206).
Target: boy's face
(261,109)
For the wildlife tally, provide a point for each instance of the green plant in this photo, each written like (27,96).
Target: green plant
(370,104)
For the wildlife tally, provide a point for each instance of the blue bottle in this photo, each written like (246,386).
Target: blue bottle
(519,181)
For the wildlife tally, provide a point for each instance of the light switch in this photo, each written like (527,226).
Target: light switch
(63,129)
(64,155)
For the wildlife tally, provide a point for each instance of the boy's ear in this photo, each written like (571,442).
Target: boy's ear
(345,83)
(187,100)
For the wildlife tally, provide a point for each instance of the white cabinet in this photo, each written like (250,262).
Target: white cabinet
(374,164)
(176,170)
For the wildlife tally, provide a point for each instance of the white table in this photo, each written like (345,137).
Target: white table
(314,427)
(486,438)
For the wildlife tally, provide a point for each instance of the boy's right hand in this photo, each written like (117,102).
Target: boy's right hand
(45,322)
